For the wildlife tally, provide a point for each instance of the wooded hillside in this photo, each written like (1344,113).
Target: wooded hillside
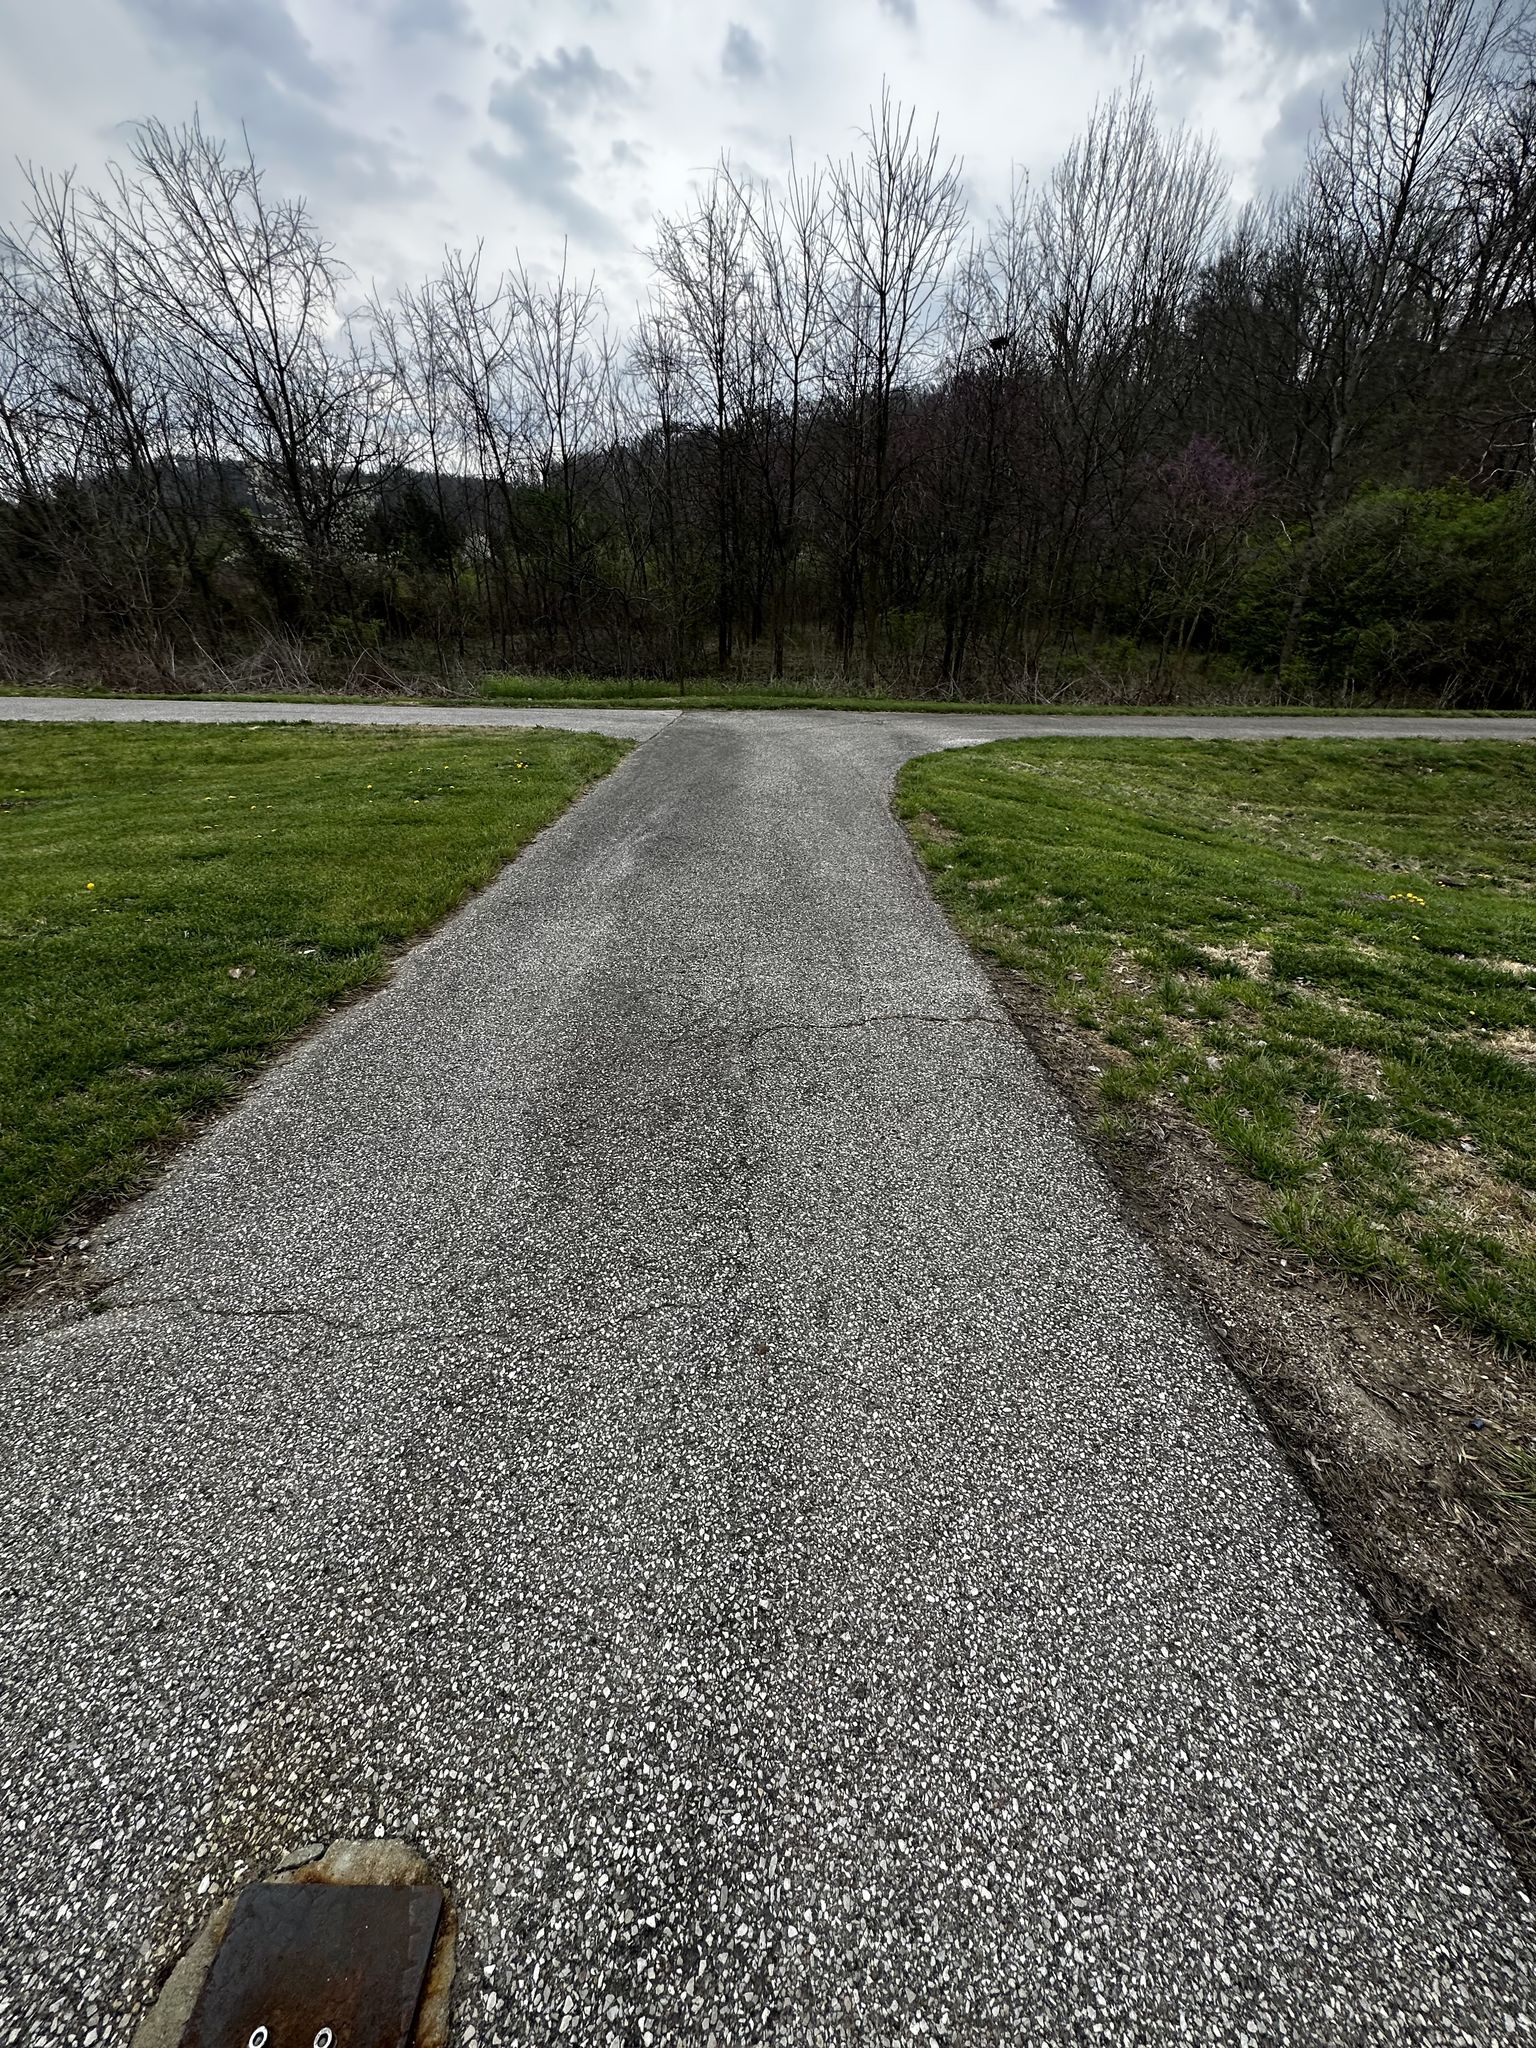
(1127,438)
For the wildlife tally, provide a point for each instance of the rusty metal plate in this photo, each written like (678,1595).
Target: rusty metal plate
(319,1966)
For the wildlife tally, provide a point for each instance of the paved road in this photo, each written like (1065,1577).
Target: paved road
(960,729)
(629,725)
(657,1407)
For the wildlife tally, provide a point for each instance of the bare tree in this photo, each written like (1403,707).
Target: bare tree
(703,261)
(245,290)
(562,359)
(898,208)
(835,427)
(1121,231)
(1380,221)
(107,411)
(791,241)
(656,454)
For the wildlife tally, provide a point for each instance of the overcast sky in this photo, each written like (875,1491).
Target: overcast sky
(414,123)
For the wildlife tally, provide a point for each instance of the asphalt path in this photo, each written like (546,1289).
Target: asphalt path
(917,730)
(622,724)
(657,1407)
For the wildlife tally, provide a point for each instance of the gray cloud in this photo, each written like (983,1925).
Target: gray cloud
(548,181)
(1099,17)
(1192,46)
(361,104)
(743,56)
(1320,33)
(262,72)
(574,81)
(259,33)
(451,21)
(1289,29)
(539,161)
(322,151)
(1285,141)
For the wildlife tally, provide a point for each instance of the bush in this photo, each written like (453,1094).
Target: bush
(1403,592)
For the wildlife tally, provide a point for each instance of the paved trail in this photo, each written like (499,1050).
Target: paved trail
(962,729)
(657,1407)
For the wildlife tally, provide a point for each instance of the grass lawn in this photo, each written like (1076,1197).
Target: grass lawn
(1326,952)
(710,694)
(177,901)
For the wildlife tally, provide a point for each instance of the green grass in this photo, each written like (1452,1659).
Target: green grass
(177,901)
(1325,952)
(709,694)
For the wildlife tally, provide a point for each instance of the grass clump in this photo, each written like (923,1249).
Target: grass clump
(177,901)
(1325,952)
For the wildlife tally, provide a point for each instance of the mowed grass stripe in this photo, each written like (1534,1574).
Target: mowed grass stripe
(1325,952)
(176,902)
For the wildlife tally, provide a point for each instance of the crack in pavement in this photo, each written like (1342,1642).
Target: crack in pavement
(442,1325)
(754,1032)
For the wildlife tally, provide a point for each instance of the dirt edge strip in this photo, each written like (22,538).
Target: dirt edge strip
(1389,1418)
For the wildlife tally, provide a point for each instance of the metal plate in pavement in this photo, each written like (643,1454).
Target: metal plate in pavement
(319,1966)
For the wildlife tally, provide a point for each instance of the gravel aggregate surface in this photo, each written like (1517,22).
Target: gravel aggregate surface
(657,1407)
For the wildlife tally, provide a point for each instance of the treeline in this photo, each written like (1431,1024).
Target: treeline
(1128,431)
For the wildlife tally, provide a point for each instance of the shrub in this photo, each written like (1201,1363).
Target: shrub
(1401,592)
